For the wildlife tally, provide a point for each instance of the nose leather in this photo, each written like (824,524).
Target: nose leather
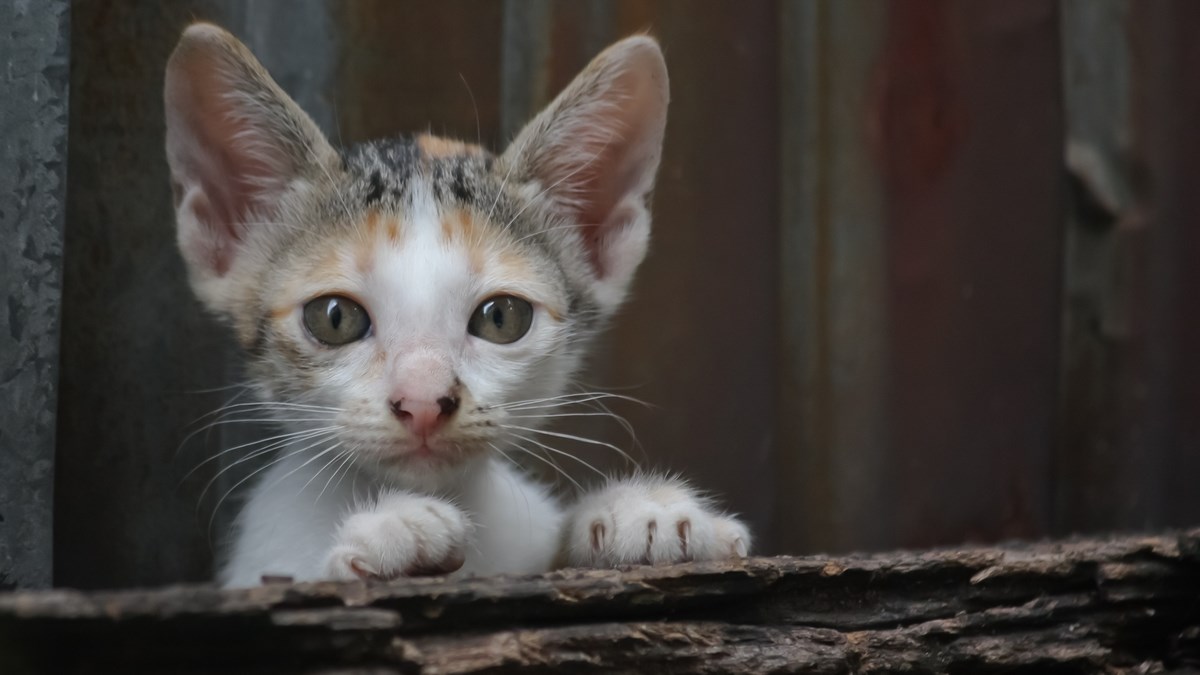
(422,418)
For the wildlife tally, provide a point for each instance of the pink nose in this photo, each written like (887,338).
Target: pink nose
(422,418)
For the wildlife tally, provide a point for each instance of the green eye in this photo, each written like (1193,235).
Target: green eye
(502,319)
(334,320)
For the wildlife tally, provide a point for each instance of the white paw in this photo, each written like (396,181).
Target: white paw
(402,535)
(650,521)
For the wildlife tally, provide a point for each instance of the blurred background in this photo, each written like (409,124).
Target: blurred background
(923,272)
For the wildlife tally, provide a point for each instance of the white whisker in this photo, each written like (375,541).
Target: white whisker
(290,436)
(547,461)
(573,437)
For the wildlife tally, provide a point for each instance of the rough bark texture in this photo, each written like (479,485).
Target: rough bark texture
(1120,605)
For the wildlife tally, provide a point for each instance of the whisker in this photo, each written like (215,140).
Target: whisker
(562,453)
(507,174)
(548,462)
(306,463)
(550,415)
(268,405)
(566,399)
(478,128)
(262,451)
(290,436)
(235,486)
(573,437)
(603,412)
(347,462)
(319,472)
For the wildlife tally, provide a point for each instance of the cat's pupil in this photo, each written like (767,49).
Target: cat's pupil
(490,320)
(335,313)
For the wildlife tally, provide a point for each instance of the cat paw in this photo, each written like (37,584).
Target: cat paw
(650,521)
(403,535)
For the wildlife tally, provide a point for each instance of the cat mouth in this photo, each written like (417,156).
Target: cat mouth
(421,451)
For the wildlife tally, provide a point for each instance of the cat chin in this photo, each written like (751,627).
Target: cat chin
(422,465)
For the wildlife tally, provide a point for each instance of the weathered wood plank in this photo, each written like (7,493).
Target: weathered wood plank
(1075,606)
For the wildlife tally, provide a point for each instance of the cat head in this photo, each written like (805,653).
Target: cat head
(410,295)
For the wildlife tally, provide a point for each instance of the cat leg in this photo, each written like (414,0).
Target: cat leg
(401,534)
(649,520)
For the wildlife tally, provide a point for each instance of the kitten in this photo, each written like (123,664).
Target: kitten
(409,308)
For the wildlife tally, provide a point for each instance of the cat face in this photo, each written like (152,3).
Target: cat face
(418,311)
(411,296)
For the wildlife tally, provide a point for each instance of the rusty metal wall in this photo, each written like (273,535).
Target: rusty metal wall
(922,272)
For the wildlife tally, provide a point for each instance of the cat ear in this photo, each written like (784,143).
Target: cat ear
(595,151)
(235,142)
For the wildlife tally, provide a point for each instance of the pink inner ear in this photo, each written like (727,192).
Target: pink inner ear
(598,238)
(601,144)
(230,157)
(234,143)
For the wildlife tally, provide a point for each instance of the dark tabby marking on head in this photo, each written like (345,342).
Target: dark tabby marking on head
(375,189)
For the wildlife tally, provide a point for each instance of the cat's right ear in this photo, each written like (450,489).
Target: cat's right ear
(235,144)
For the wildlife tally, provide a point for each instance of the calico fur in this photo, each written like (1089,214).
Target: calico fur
(419,232)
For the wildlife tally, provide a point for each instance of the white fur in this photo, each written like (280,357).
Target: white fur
(495,517)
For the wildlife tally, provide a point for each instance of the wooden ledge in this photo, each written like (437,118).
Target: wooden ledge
(1121,604)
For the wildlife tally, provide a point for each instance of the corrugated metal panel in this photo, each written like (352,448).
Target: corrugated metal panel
(35,48)
(876,312)
(832,361)
(970,121)
(1166,107)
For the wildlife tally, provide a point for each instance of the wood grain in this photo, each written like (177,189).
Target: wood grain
(1127,604)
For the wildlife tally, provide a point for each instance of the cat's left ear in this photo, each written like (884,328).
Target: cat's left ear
(595,151)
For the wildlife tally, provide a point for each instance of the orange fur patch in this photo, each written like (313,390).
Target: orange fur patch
(375,227)
(464,228)
(433,147)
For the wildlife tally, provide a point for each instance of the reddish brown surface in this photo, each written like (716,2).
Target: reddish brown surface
(1167,41)
(970,149)
(414,66)
(997,422)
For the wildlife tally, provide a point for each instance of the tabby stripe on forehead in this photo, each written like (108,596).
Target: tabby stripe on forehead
(458,184)
(375,190)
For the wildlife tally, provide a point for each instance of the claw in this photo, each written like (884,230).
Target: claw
(739,548)
(651,528)
(597,536)
(363,570)
(684,528)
